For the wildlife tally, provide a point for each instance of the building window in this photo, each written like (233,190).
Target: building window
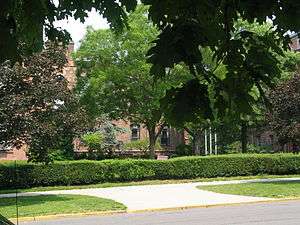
(135,132)
(165,136)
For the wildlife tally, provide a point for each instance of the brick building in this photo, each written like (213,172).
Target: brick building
(69,73)
(295,42)
(267,138)
(169,137)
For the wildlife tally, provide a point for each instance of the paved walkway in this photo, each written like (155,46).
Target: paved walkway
(150,197)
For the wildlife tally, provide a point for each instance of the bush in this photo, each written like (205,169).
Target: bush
(183,150)
(91,172)
(60,155)
(93,140)
(142,145)
(236,147)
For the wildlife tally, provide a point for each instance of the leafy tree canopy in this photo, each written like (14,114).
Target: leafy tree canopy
(22,22)
(205,23)
(185,27)
(117,78)
(232,116)
(102,140)
(284,118)
(37,108)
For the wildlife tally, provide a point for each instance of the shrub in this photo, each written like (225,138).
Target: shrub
(60,155)
(142,145)
(93,140)
(236,147)
(183,150)
(91,172)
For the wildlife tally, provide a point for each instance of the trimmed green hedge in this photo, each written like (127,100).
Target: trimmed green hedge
(91,172)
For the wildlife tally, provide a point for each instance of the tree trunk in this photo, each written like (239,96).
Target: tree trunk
(194,146)
(152,140)
(244,136)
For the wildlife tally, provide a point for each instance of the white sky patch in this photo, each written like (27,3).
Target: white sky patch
(59,102)
(78,29)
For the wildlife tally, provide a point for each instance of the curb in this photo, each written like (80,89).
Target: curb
(211,206)
(68,215)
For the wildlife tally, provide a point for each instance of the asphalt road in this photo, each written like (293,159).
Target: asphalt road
(276,213)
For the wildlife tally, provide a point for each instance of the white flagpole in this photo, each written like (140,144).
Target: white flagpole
(205,141)
(216,145)
(210,141)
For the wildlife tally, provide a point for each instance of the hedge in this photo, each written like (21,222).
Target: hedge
(91,172)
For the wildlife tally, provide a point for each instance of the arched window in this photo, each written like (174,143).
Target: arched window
(135,132)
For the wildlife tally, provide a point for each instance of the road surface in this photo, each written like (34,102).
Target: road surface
(272,213)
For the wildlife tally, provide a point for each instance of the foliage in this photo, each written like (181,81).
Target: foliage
(109,131)
(209,21)
(91,172)
(102,141)
(284,118)
(117,79)
(250,58)
(183,150)
(231,123)
(142,145)
(32,206)
(22,27)
(60,155)
(235,147)
(37,108)
(185,27)
(93,140)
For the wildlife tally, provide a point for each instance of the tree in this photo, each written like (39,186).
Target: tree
(246,54)
(22,28)
(186,27)
(37,108)
(178,108)
(284,118)
(118,80)
(102,140)
(22,22)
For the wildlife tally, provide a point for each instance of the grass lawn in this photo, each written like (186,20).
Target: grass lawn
(286,189)
(56,204)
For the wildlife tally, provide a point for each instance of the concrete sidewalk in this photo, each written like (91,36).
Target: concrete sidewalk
(151,197)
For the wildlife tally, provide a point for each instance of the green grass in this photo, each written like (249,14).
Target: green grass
(147,182)
(282,189)
(56,204)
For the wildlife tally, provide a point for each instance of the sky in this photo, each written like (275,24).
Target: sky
(78,29)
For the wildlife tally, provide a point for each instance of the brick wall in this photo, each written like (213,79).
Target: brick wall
(175,137)
(295,44)
(14,154)
(126,135)
(69,71)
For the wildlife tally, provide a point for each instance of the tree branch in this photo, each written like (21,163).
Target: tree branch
(189,131)
(161,127)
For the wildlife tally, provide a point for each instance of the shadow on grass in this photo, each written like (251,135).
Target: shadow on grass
(33,200)
(281,182)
